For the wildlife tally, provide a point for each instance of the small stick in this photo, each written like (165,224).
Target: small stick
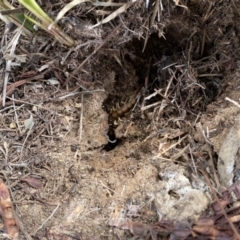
(153,94)
(93,53)
(146,86)
(107,188)
(24,102)
(175,144)
(203,41)
(80,122)
(54,211)
(16,115)
(25,140)
(150,106)
(232,101)
(211,75)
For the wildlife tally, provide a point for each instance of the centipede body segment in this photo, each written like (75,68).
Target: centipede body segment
(114,116)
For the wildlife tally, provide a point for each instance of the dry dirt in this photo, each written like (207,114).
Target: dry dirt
(56,136)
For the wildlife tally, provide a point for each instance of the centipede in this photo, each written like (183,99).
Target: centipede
(121,111)
(115,115)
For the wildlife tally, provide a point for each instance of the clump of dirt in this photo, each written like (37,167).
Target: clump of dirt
(153,93)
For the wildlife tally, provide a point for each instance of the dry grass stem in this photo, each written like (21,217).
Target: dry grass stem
(113,15)
(232,101)
(53,212)
(80,121)
(9,63)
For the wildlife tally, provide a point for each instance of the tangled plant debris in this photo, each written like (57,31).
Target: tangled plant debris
(177,139)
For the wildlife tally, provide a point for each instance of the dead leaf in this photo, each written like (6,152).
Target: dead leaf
(33,182)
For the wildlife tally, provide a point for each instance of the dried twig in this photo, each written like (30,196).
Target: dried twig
(120,10)
(232,101)
(80,121)
(173,145)
(54,211)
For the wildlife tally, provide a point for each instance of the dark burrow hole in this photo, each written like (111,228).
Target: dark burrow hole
(165,60)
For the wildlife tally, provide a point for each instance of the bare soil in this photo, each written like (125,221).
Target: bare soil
(64,182)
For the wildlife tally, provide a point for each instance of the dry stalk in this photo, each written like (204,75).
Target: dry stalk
(150,106)
(193,161)
(53,212)
(120,10)
(25,140)
(210,154)
(16,115)
(232,101)
(107,188)
(80,122)
(173,145)
(28,103)
(146,85)
(13,45)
